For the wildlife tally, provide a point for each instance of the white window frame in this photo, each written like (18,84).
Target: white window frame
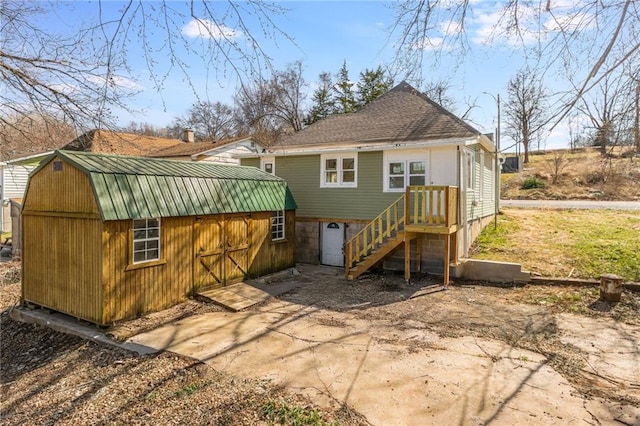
(339,170)
(407,157)
(151,235)
(264,161)
(278,220)
(470,160)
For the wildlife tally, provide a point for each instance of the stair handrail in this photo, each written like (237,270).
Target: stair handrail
(364,241)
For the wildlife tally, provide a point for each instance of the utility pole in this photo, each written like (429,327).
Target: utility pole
(637,123)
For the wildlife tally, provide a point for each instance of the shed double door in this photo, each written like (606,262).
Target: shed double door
(222,249)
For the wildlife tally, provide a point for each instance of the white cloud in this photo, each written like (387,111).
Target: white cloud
(430,43)
(450,27)
(205,28)
(570,22)
(115,80)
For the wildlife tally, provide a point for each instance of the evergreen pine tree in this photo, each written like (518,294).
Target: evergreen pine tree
(323,100)
(372,85)
(345,98)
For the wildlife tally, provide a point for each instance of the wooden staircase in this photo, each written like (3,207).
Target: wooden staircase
(420,210)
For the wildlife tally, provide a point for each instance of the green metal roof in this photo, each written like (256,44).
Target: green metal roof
(136,187)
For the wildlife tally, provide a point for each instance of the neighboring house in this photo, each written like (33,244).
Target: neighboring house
(347,169)
(13,181)
(14,173)
(108,237)
(225,151)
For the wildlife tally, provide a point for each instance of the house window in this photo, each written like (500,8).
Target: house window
(401,173)
(470,166)
(339,171)
(268,164)
(277,225)
(146,240)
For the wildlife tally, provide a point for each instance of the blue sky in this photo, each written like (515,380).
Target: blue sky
(325,34)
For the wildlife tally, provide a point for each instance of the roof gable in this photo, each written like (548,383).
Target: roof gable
(136,187)
(403,114)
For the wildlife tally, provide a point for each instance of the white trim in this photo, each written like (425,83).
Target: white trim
(278,228)
(339,170)
(270,159)
(146,239)
(383,146)
(406,156)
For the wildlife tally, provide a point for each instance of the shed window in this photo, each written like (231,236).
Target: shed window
(277,225)
(146,240)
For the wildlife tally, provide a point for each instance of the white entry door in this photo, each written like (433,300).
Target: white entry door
(332,244)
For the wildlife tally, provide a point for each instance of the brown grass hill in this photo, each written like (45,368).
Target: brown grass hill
(581,174)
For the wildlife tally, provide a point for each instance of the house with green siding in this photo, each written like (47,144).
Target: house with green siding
(347,172)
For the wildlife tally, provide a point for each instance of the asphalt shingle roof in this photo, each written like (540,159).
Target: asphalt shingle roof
(403,114)
(107,142)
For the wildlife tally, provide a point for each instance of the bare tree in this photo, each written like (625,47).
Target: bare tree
(22,135)
(552,35)
(525,109)
(610,109)
(268,108)
(82,76)
(210,121)
(439,92)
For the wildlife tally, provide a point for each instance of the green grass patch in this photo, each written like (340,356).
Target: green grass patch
(497,237)
(283,413)
(563,243)
(187,390)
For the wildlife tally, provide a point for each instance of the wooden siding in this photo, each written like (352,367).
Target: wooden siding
(267,256)
(65,191)
(127,292)
(61,264)
(302,173)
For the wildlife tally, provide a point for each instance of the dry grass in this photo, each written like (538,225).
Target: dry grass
(583,174)
(565,243)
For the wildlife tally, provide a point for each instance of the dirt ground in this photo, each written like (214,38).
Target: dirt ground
(588,346)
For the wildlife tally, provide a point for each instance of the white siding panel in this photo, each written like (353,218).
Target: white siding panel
(443,167)
(15,180)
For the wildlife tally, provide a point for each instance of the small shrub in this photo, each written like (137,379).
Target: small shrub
(285,414)
(532,183)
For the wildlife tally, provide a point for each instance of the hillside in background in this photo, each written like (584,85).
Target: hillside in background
(583,174)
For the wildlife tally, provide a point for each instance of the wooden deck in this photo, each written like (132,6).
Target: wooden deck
(420,210)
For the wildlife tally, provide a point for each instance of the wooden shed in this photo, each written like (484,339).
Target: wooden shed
(108,237)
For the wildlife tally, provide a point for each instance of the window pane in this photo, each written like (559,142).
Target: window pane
(152,223)
(140,235)
(153,244)
(331,177)
(396,182)
(416,167)
(139,246)
(268,167)
(153,233)
(348,163)
(139,224)
(331,164)
(139,256)
(416,180)
(153,255)
(396,168)
(348,177)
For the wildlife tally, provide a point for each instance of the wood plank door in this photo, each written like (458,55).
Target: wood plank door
(236,247)
(209,242)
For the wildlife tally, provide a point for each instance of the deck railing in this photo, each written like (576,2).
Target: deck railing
(419,205)
(431,205)
(375,233)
